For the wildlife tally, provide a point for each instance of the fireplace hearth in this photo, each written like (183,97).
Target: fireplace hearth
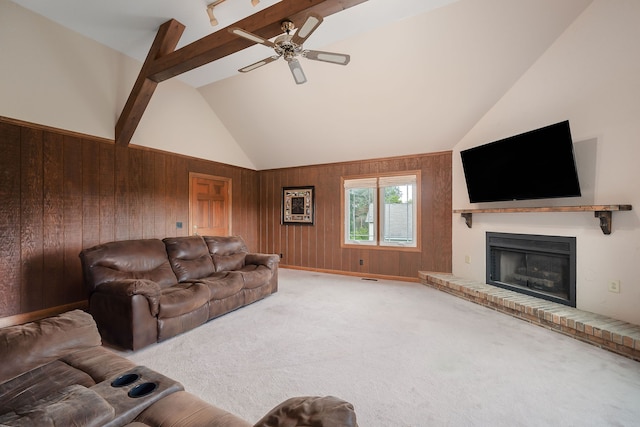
(541,266)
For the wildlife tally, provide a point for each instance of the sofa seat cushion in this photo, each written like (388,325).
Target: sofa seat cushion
(255,276)
(224,284)
(38,383)
(182,298)
(71,406)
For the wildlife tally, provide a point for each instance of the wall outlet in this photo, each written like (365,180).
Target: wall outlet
(614,286)
(467,259)
(361,262)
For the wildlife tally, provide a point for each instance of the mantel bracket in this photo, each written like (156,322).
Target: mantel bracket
(605,220)
(468,218)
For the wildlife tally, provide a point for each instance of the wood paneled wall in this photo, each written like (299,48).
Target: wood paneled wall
(318,246)
(61,192)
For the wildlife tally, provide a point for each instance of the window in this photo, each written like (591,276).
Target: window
(381,210)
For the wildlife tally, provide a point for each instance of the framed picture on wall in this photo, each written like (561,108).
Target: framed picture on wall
(298,205)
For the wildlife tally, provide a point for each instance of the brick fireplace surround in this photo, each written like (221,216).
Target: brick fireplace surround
(605,332)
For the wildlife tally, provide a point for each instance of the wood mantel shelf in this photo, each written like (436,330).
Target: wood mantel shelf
(604,212)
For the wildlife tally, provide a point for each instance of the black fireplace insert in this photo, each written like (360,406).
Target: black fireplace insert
(541,266)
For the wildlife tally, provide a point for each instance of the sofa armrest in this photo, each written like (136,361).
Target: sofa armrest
(187,410)
(34,344)
(130,287)
(327,411)
(268,260)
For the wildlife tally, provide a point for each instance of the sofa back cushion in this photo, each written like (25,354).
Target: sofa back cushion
(189,257)
(29,346)
(228,252)
(225,245)
(229,262)
(127,259)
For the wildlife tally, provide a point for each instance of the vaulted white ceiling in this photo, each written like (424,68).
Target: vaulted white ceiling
(422,72)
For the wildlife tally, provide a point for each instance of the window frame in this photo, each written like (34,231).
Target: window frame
(378,243)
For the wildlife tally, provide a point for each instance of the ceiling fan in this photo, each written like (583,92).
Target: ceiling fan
(290,47)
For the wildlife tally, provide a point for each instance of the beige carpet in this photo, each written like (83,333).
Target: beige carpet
(403,354)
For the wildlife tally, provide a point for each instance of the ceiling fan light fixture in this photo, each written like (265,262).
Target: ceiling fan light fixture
(289,47)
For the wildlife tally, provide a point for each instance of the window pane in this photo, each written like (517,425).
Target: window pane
(360,215)
(397,215)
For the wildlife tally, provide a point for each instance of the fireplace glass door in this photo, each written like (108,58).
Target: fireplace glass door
(533,266)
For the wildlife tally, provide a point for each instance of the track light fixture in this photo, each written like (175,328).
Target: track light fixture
(210,7)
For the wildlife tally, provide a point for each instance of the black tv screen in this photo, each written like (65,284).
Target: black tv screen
(534,165)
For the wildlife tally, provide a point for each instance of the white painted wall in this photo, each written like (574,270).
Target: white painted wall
(53,76)
(590,76)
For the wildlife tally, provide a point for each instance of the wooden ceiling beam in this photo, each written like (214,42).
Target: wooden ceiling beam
(164,62)
(222,43)
(165,42)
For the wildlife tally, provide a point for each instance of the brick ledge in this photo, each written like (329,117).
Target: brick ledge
(605,332)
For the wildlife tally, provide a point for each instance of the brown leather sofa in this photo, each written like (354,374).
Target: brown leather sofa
(147,290)
(54,372)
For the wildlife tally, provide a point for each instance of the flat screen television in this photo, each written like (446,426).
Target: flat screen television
(538,164)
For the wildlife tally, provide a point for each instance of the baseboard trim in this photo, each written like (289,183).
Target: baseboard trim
(21,318)
(353,273)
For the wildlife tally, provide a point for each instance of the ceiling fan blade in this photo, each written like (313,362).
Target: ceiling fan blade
(258,64)
(310,24)
(334,58)
(296,70)
(250,36)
